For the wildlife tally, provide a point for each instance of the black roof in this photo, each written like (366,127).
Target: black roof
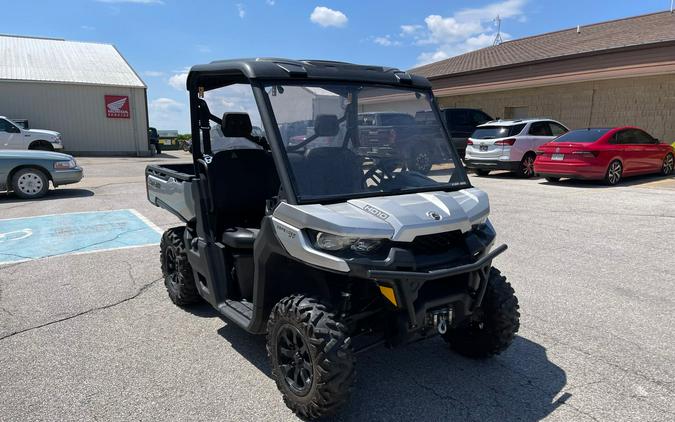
(225,72)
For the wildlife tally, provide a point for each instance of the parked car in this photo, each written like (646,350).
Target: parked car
(28,173)
(13,136)
(509,145)
(385,133)
(606,154)
(461,122)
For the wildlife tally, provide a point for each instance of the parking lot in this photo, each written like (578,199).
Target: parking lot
(89,334)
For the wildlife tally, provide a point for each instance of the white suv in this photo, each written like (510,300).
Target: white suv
(12,136)
(509,145)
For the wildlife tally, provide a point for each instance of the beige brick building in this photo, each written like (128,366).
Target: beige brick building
(608,74)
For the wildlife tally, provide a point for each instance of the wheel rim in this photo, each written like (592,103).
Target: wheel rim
(294,360)
(423,161)
(614,172)
(668,164)
(170,261)
(528,166)
(30,184)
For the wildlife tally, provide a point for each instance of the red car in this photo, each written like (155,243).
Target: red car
(606,154)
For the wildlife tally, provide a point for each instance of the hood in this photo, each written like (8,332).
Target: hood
(33,154)
(43,132)
(397,217)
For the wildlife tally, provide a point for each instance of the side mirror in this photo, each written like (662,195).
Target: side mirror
(326,125)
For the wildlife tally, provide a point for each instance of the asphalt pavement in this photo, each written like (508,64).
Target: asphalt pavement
(94,337)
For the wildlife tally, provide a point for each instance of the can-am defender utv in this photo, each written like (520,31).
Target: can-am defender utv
(326,243)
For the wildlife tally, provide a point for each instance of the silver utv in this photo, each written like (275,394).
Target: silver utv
(327,243)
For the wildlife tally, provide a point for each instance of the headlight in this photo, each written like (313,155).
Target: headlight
(57,140)
(332,242)
(65,165)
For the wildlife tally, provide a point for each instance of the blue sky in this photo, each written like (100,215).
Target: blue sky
(162,38)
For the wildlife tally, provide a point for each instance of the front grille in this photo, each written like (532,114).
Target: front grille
(436,243)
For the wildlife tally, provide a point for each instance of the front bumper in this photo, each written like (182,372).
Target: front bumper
(57,146)
(491,164)
(66,177)
(407,286)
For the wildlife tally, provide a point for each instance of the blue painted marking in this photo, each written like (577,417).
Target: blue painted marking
(49,235)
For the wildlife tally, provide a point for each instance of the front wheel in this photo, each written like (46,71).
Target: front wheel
(311,356)
(178,277)
(30,183)
(492,327)
(668,165)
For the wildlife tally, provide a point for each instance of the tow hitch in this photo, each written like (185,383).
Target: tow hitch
(440,319)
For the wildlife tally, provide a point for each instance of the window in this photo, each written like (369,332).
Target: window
(493,132)
(6,126)
(460,118)
(624,137)
(556,129)
(582,135)
(232,98)
(540,129)
(478,117)
(642,137)
(397,119)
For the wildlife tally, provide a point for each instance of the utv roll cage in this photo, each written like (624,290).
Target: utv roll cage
(256,73)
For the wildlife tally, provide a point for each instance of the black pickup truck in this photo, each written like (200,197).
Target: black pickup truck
(380,131)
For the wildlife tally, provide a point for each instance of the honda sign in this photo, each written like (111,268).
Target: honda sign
(117,106)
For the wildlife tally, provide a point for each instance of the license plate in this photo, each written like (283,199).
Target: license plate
(483,147)
(558,157)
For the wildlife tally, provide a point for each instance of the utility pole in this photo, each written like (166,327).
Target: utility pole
(498,37)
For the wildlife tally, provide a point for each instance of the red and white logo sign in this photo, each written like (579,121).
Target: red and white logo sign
(117,106)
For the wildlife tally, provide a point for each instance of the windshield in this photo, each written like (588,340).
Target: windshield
(582,135)
(348,141)
(492,132)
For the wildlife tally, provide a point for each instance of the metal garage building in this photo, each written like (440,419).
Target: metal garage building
(86,91)
(619,72)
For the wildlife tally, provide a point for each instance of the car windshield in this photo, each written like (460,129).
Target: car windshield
(582,135)
(348,141)
(493,132)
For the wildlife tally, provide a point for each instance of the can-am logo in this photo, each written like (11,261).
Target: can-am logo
(117,106)
(377,213)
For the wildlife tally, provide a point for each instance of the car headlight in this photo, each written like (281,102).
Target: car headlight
(333,242)
(65,165)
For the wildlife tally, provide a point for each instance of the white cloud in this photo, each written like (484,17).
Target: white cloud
(153,73)
(132,1)
(87,27)
(270,2)
(386,41)
(241,11)
(410,29)
(328,17)
(167,113)
(179,81)
(466,30)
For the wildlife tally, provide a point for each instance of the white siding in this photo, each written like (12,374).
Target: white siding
(78,112)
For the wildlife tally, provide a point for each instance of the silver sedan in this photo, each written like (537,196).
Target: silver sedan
(28,173)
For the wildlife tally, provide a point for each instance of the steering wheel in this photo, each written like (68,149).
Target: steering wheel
(379,172)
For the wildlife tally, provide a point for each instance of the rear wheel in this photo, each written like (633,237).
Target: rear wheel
(311,356)
(553,179)
(526,168)
(668,165)
(178,277)
(30,183)
(614,172)
(482,173)
(492,327)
